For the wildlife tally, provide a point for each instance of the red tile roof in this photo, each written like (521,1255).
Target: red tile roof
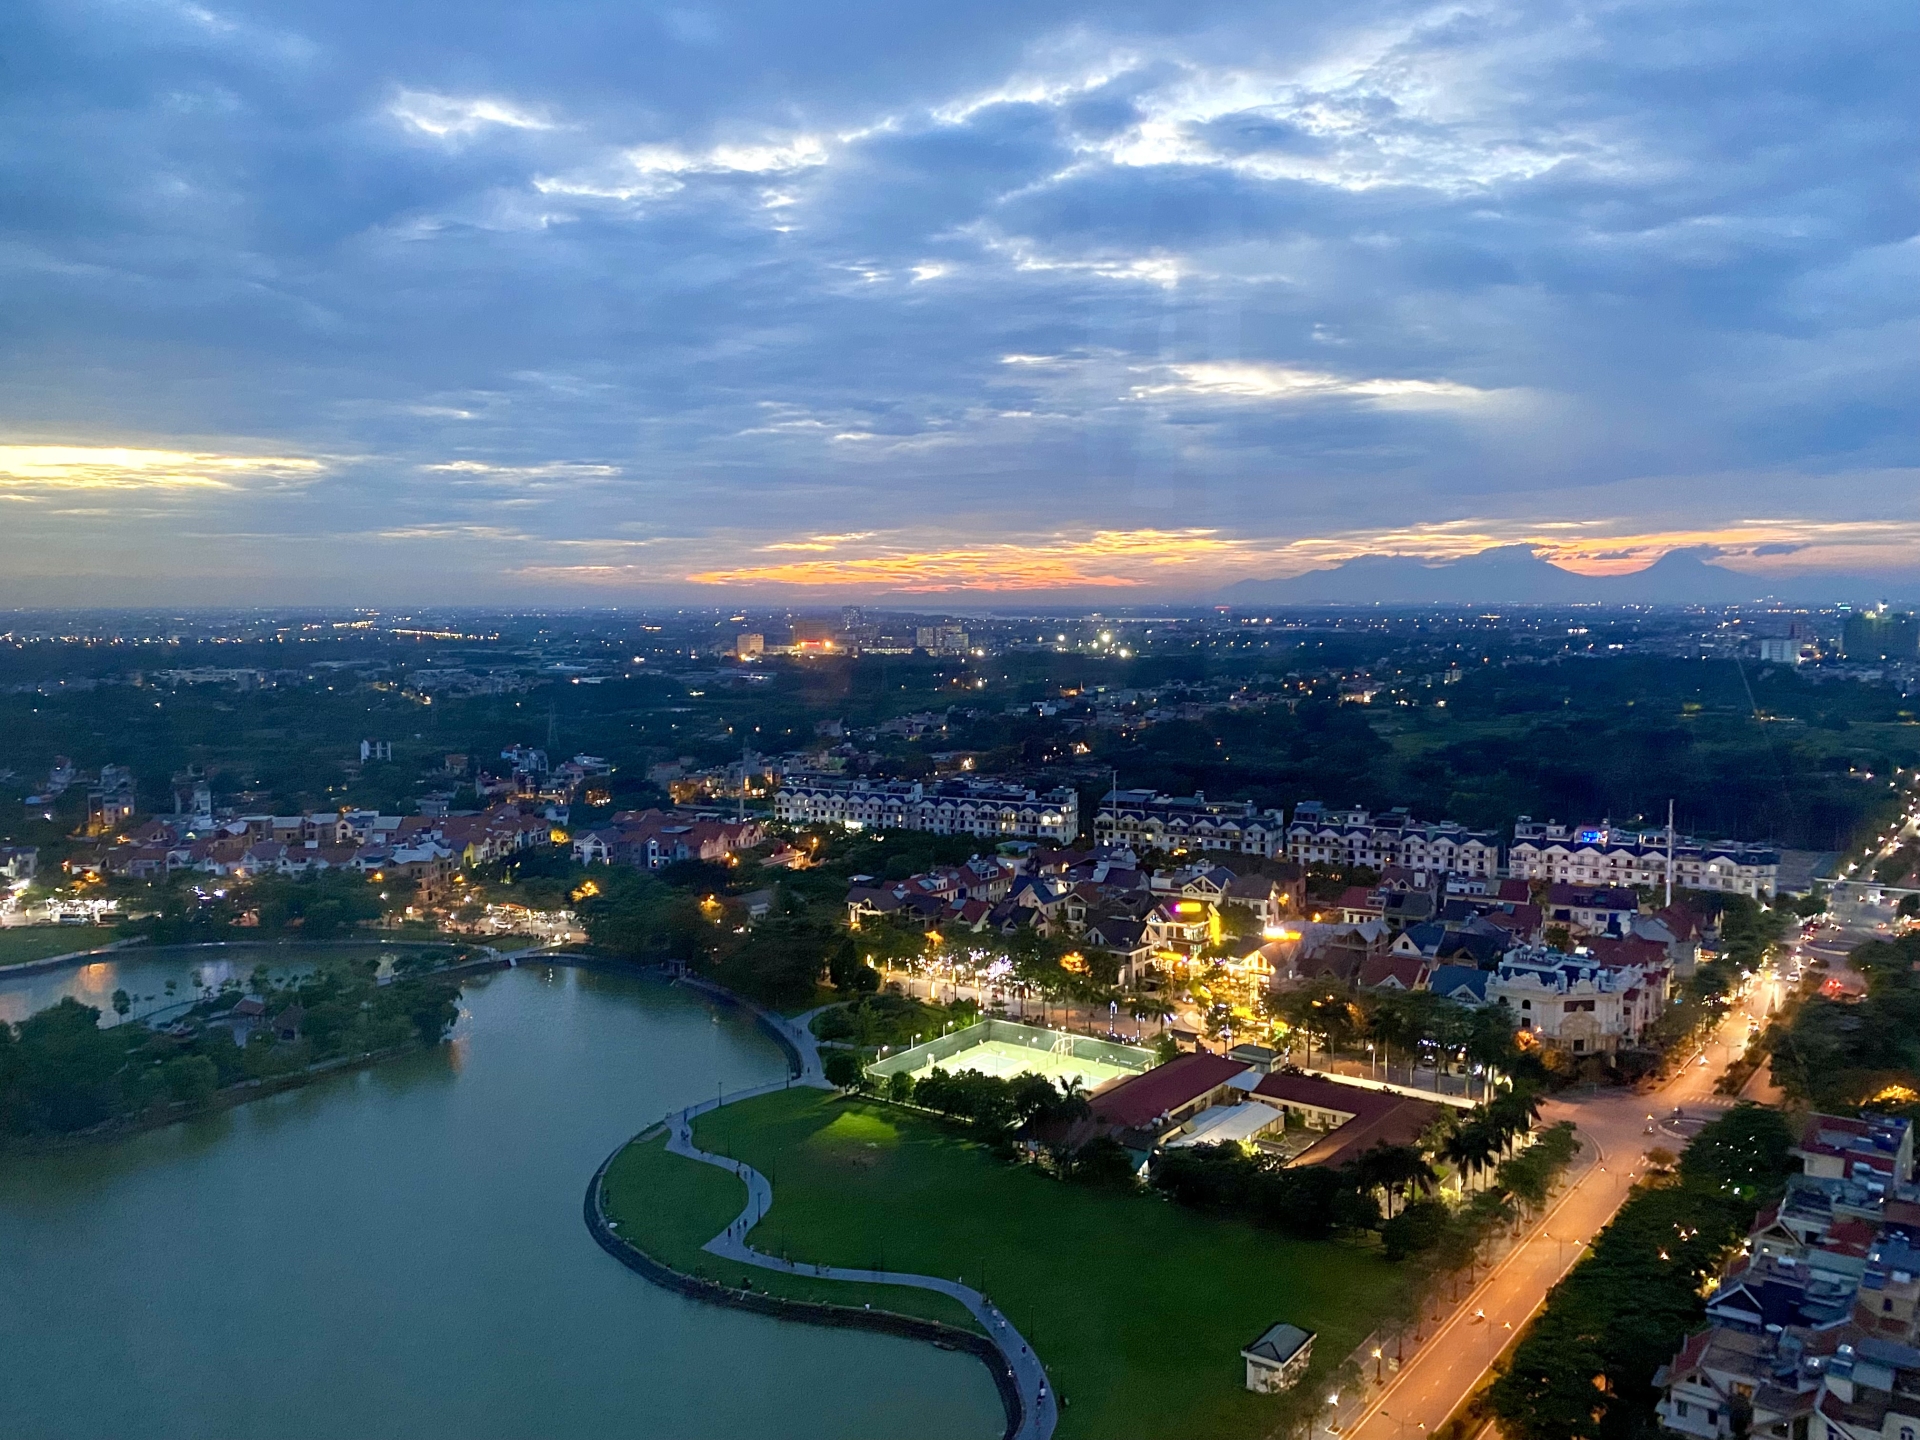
(1410,971)
(1144,1098)
(1380,1117)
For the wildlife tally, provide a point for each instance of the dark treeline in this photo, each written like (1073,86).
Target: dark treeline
(1581,739)
(1839,1056)
(61,1072)
(1584,1368)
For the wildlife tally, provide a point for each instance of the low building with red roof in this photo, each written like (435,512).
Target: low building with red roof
(1161,1100)
(1355,1117)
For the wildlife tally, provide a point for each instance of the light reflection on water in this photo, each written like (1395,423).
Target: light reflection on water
(398,1251)
(144,974)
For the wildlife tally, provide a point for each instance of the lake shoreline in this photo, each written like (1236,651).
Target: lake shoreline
(50,963)
(232,1096)
(807,1312)
(125,1127)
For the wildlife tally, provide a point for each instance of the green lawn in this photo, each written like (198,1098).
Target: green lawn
(1138,1308)
(670,1206)
(36,942)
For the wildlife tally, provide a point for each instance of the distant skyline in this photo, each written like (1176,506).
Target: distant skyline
(586,303)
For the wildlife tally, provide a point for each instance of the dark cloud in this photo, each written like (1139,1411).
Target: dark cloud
(760,267)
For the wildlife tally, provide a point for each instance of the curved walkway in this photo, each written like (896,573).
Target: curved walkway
(1038,1413)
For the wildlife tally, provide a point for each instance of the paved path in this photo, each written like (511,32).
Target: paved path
(1037,1400)
(72,957)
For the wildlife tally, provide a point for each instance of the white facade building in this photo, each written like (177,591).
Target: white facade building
(989,809)
(1575,1003)
(1607,854)
(1319,836)
(1147,820)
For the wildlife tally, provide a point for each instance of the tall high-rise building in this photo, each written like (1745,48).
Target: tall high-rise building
(1881,634)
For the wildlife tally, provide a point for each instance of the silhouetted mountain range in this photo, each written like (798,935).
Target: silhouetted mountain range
(1514,574)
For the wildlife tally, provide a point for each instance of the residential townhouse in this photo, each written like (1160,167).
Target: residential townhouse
(1148,820)
(1319,836)
(1871,1150)
(985,808)
(413,846)
(1592,909)
(1812,1329)
(1625,855)
(653,839)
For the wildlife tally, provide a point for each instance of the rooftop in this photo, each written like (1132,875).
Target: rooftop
(1139,1101)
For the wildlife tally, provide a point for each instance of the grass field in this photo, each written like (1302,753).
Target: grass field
(21,943)
(1138,1308)
(994,1057)
(670,1206)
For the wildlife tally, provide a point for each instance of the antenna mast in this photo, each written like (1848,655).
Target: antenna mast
(1669,852)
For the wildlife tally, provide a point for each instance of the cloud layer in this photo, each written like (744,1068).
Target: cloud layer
(812,297)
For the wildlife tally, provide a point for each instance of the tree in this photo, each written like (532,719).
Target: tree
(1471,1148)
(122,1003)
(900,1086)
(1325,1010)
(1394,1169)
(1033,1097)
(1744,1154)
(1073,1103)
(430,1007)
(1104,1162)
(639,918)
(64,1069)
(848,971)
(1415,1230)
(843,1069)
(780,962)
(190,1079)
(1143,1006)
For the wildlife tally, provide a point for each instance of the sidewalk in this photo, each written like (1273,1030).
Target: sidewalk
(1613,1127)
(1441,1319)
(1038,1413)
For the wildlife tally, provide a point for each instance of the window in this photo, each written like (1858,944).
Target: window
(1679,1407)
(1578,1046)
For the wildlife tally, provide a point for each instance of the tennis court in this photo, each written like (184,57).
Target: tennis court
(1005,1048)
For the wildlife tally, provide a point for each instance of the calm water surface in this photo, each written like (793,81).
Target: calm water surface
(400,1253)
(144,974)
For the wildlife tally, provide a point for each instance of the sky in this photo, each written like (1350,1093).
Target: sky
(607,303)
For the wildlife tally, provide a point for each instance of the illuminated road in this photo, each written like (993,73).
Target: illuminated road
(1444,1370)
(1451,1363)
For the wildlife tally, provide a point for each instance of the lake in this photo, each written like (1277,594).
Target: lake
(399,1252)
(143,973)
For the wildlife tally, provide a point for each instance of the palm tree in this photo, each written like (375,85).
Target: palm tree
(1150,1007)
(1395,1169)
(1471,1148)
(1510,1116)
(1073,1104)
